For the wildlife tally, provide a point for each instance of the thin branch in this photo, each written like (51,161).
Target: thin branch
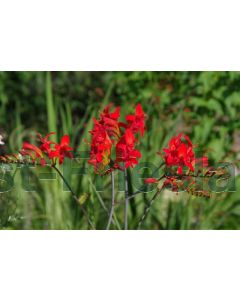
(147,208)
(126,200)
(74,196)
(104,206)
(142,188)
(112,203)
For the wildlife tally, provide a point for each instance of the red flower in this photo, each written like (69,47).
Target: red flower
(45,143)
(125,151)
(109,137)
(100,147)
(180,153)
(110,121)
(61,150)
(52,150)
(150,180)
(105,133)
(33,152)
(136,122)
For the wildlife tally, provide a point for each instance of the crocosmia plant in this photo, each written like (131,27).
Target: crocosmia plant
(115,147)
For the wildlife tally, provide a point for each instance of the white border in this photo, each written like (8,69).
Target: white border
(119,35)
(182,265)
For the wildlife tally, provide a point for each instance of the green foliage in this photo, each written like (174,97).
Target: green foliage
(205,105)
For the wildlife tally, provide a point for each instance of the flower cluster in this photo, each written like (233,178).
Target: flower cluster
(113,142)
(48,150)
(125,150)
(180,163)
(180,154)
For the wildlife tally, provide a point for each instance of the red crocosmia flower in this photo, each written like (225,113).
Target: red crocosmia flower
(113,138)
(110,121)
(33,151)
(61,150)
(137,122)
(45,143)
(105,134)
(125,151)
(50,149)
(101,146)
(114,115)
(180,153)
(150,180)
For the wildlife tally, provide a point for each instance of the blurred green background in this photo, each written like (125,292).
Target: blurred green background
(204,105)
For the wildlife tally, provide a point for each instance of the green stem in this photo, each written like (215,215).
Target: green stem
(104,206)
(142,188)
(126,200)
(74,196)
(147,208)
(112,203)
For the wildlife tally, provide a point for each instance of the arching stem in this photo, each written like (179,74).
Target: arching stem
(147,208)
(74,196)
